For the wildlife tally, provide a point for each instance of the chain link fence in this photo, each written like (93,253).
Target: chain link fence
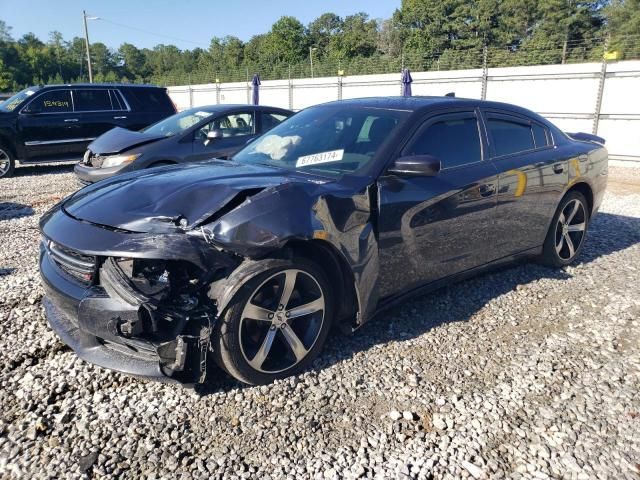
(451,59)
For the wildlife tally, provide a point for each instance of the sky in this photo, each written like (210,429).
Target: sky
(187,24)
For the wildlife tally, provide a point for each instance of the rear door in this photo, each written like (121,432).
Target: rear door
(49,128)
(236,129)
(94,111)
(531,178)
(433,227)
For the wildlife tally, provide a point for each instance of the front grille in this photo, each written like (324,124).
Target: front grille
(75,264)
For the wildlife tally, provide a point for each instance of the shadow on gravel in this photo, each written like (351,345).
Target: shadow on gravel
(10,210)
(608,234)
(46,169)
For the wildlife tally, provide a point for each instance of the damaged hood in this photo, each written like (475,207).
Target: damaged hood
(120,139)
(180,197)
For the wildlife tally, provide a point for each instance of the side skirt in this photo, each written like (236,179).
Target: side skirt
(389,302)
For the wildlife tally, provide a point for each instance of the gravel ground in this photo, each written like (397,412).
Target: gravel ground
(523,373)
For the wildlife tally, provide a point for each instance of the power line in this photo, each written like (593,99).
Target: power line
(122,25)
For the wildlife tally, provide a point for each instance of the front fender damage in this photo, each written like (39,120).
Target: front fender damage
(164,292)
(267,223)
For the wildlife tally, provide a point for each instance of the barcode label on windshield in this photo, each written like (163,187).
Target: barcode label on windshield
(322,157)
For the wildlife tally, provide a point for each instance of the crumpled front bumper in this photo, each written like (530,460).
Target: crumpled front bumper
(88,321)
(109,326)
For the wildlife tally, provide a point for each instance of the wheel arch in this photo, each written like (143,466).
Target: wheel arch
(585,189)
(322,253)
(8,145)
(339,274)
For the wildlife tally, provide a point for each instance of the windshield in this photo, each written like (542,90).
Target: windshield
(326,140)
(177,123)
(10,104)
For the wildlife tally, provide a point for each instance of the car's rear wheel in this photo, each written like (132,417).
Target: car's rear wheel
(567,232)
(7,162)
(277,322)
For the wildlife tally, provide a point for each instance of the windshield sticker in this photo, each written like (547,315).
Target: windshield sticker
(322,157)
(276,146)
(203,114)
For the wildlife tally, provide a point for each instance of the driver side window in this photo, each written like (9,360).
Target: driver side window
(454,139)
(234,125)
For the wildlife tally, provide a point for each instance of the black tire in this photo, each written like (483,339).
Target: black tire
(558,251)
(7,162)
(236,332)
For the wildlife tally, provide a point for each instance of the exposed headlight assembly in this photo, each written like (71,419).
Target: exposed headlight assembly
(115,160)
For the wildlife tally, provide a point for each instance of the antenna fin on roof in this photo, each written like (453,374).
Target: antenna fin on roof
(450,94)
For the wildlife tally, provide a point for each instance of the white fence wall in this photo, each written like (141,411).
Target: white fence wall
(565,94)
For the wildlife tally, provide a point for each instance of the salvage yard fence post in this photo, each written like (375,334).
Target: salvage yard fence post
(485,73)
(603,77)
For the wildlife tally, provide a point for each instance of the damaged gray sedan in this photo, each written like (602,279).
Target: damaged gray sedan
(339,212)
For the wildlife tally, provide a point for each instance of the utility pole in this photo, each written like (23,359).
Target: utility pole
(86,39)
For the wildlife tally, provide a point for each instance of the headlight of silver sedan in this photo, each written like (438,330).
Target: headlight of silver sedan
(116,160)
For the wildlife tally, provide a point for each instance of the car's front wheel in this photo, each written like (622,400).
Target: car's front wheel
(567,232)
(277,322)
(7,162)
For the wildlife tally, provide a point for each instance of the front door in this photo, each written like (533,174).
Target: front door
(236,129)
(48,126)
(433,227)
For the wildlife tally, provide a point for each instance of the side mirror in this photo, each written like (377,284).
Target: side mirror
(417,165)
(212,135)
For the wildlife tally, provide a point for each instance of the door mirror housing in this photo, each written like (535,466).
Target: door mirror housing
(213,135)
(416,165)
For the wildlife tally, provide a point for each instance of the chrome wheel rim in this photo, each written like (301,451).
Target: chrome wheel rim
(5,163)
(282,321)
(570,229)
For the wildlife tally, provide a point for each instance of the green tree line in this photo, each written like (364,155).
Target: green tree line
(421,34)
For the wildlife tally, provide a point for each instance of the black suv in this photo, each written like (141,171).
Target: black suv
(57,122)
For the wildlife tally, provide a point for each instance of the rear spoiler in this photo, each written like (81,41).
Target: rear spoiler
(586,137)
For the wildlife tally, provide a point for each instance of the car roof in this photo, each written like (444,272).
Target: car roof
(100,85)
(418,103)
(225,107)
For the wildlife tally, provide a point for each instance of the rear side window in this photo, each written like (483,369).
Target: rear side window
(54,101)
(510,137)
(539,135)
(270,120)
(91,100)
(149,99)
(455,141)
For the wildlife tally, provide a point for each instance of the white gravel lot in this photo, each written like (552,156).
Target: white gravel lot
(523,373)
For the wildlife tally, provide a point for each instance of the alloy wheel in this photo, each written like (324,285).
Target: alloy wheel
(570,229)
(281,321)
(5,163)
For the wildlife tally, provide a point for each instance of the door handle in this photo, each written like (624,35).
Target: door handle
(71,120)
(558,168)
(487,190)
(119,118)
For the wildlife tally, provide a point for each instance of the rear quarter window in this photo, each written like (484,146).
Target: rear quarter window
(149,99)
